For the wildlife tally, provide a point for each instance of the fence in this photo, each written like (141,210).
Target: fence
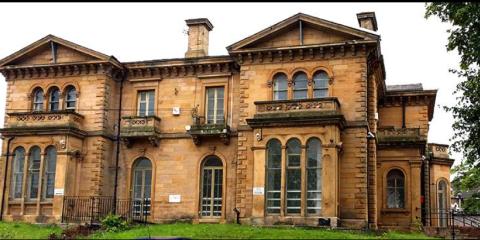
(451,224)
(93,209)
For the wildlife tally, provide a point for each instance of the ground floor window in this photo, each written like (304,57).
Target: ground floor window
(298,169)
(142,187)
(211,187)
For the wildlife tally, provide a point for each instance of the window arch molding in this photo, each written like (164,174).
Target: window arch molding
(32,90)
(298,70)
(327,70)
(65,87)
(406,186)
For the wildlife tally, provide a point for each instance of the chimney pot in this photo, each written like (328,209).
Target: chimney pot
(198,30)
(367,20)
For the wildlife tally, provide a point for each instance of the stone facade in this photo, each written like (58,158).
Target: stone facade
(192,135)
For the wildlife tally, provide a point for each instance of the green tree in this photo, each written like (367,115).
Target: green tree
(465,38)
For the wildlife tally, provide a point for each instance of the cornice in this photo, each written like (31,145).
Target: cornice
(60,70)
(303,52)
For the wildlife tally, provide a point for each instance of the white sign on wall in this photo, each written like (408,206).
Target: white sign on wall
(174,198)
(258,191)
(58,191)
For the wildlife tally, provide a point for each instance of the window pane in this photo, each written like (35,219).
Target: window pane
(300,86)
(54,100)
(51,163)
(294,190)
(280,87)
(215,105)
(293,153)
(34,171)
(17,178)
(38,100)
(395,189)
(314,176)
(151,102)
(320,80)
(274,176)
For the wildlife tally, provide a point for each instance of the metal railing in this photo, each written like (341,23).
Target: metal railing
(77,209)
(449,218)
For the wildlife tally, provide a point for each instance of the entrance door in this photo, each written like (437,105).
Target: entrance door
(142,187)
(211,187)
(442,203)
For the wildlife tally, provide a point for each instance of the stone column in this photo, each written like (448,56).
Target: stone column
(415,190)
(258,210)
(61,173)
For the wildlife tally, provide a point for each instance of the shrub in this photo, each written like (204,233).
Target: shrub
(114,223)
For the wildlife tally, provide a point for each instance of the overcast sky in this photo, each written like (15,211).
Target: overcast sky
(413,47)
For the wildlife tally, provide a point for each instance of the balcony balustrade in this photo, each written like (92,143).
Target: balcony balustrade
(140,127)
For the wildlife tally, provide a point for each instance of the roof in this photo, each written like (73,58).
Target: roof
(361,33)
(51,38)
(405,87)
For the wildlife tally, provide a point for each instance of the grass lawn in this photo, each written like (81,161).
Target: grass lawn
(209,231)
(17,230)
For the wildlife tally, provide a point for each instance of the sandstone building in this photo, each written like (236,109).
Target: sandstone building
(295,125)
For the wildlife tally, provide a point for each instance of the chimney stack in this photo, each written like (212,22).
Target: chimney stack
(367,20)
(198,30)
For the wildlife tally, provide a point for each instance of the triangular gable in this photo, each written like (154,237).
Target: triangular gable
(315,31)
(41,53)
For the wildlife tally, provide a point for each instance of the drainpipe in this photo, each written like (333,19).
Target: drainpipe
(238,215)
(117,156)
(5,176)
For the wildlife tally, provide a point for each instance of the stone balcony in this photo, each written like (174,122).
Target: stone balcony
(136,128)
(20,123)
(297,112)
(199,130)
(399,136)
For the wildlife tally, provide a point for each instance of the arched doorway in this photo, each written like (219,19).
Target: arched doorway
(442,203)
(142,186)
(211,188)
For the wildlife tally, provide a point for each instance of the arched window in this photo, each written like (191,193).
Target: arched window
(300,87)
(142,186)
(274,176)
(71,98)
(212,187)
(294,177)
(33,172)
(54,100)
(280,87)
(320,84)
(314,176)
(395,189)
(49,172)
(17,172)
(442,203)
(38,99)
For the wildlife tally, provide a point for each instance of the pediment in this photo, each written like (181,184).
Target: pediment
(301,29)
(52,50)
